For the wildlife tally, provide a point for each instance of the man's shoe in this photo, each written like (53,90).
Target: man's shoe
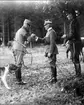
(53,81)
(25,67)
(21,83)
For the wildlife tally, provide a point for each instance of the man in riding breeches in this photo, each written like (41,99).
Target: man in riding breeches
(19,48)
(75,41)
(51,49)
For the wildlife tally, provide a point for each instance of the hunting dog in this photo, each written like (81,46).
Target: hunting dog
(6,70)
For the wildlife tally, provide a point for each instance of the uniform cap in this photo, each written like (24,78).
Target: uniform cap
(72,12)
(33,35)
(47,22)
(26,21)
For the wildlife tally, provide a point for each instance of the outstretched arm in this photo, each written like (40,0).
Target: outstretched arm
(41,40)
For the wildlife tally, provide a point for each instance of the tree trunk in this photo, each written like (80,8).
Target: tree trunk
(3,33)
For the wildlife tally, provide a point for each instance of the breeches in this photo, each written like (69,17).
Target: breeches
(52,61)
(18,56)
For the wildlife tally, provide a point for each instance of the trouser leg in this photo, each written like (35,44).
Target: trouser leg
(67,51)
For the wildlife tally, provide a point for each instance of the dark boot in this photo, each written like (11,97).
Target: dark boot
(18,74)
(19,77)
(53,75)
(78,69)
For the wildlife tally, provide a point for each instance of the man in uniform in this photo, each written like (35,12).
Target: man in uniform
(51,48)
(75,41)
(19,47)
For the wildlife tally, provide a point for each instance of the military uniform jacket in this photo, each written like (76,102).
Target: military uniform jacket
(74,36)
(74,31)
(50,40)
(19,39)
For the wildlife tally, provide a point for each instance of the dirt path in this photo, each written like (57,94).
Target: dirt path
(38,91)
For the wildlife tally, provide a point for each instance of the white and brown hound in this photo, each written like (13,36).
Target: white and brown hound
(6,70)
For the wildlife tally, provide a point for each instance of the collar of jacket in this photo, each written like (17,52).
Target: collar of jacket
(25,28)
(49,29)
(71,20)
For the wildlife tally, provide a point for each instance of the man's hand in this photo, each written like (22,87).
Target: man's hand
(33,35)
(49,55)
(64,36)
(46,54)
(36,38)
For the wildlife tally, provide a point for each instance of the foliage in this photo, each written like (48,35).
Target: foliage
(37,12)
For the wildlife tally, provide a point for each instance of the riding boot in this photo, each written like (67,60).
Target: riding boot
(18,74)
(78,69)
(53,75)
(19,77)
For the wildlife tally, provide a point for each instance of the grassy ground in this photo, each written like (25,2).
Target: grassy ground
(38,91)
